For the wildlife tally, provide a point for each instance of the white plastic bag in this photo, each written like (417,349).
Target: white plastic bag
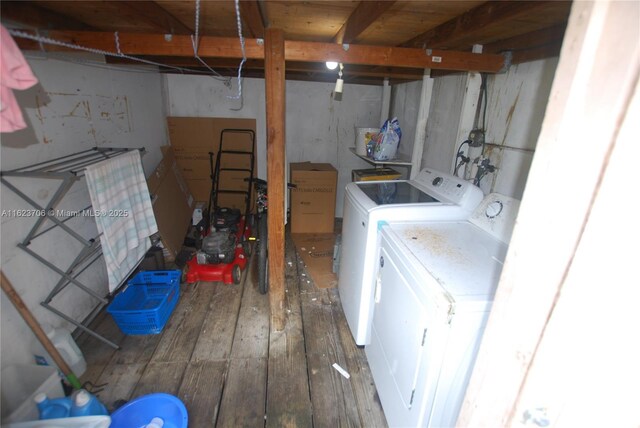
(384,145)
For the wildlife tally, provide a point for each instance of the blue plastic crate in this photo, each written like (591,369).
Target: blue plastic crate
(145,306)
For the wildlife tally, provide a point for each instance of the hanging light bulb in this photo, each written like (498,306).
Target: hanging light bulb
(331,65)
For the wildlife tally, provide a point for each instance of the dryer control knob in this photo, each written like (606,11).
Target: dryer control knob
(494,209)
(437,181)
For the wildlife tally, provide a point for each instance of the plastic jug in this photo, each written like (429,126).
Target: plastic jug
(67,347)
(86,404)
(52,408)
(155,423)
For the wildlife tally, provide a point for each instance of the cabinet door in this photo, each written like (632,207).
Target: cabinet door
(399,322)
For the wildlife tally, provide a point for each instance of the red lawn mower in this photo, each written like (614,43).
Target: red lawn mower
(223,249)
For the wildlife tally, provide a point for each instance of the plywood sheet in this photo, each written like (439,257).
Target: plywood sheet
(316,251)
(192,138)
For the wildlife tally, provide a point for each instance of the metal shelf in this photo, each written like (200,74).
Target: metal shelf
(68,169)
(396,162)
(382,164)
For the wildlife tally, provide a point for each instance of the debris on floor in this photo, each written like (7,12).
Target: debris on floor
(340,370)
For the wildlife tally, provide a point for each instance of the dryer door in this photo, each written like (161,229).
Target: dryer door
(399,326)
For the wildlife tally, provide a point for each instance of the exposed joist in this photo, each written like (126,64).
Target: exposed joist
(155,15)
(34,16)
(275,112)
(472,24)
(252,16)
(360,19)
(218,47)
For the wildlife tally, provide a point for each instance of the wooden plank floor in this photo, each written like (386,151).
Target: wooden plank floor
(218,355)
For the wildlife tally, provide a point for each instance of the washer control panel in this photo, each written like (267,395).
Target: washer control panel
(453,188)
(496,215)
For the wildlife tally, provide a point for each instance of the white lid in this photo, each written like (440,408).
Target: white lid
(82,398)
(156,423)
(39,397)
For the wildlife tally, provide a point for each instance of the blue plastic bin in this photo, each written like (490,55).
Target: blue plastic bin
(145,306)
(140,411)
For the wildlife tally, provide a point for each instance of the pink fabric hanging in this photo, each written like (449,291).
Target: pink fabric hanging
(14,74)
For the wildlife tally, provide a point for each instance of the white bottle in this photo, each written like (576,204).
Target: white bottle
(155,423)
(66,346)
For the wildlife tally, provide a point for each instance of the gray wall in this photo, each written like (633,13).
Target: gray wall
(73,108)
(318,128)
(77,107)
(516,107)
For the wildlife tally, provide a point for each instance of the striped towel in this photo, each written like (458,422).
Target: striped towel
(124,215)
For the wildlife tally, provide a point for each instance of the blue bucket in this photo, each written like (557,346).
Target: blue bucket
(140,411)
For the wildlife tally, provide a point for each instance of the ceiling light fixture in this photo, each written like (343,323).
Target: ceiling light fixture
(331,65)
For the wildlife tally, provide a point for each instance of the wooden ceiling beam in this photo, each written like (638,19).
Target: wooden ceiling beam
(34,16)
(156,16)
(473,23)
(220,64)
(252,15)
(360,19)
(219,47)
(393,57)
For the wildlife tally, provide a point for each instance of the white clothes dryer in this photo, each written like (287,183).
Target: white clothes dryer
(431,196)
(435,284)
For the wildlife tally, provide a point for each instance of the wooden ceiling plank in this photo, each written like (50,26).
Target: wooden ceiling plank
(252,16)
(156,16)
(475,21)
(534,54)
(535,39)
(360,19)
(219,47)
(34,16)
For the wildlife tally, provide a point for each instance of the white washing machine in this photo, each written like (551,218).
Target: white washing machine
(435,284)
(432,195)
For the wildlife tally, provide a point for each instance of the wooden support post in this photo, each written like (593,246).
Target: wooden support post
(421,124)
(554,350)
(467,114)
(275,98)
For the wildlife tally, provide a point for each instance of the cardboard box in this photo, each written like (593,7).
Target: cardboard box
(192,138)
(374,174)
(172,202)
(313,201)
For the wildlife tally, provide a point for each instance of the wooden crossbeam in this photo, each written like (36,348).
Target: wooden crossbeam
(392,56)
(360,19)
(359,74)
(221,47)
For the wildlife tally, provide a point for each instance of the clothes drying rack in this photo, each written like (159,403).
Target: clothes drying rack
(68,169)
